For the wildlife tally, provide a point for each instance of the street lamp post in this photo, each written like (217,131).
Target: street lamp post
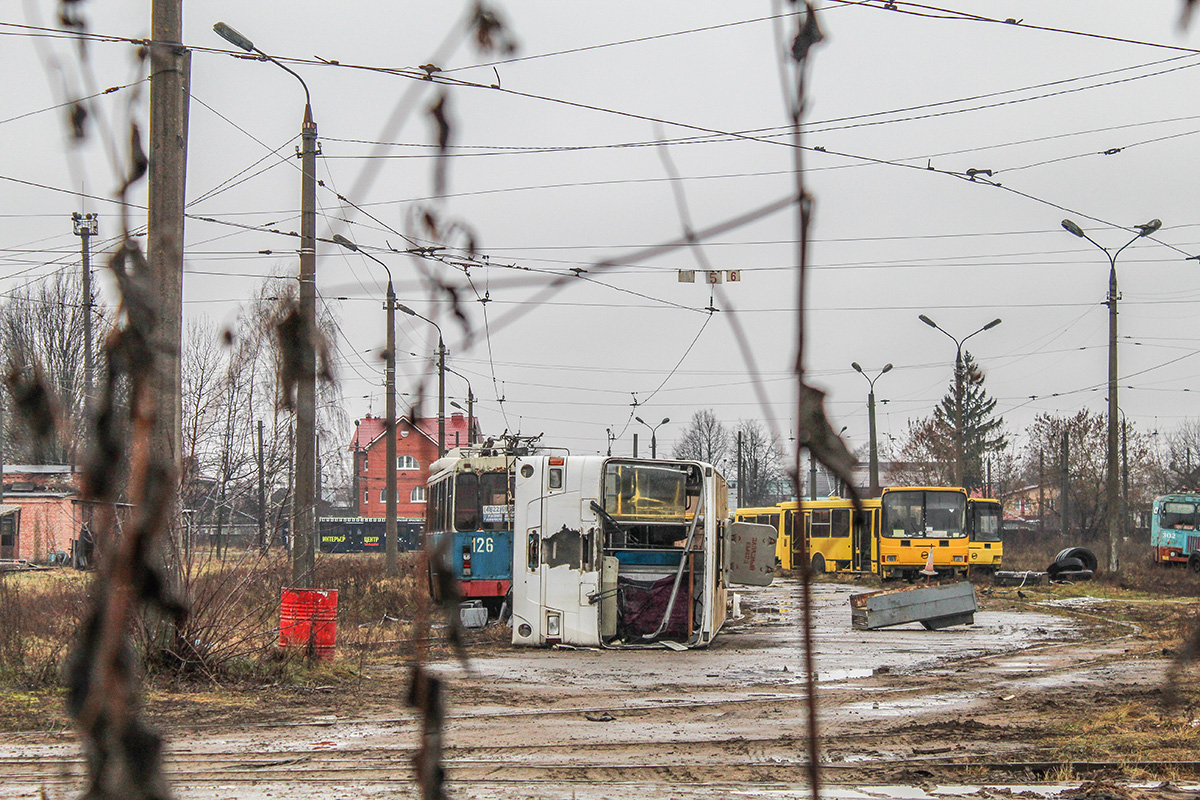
(871,417)
(304,503)
(470,409)
(391,542)
(961,443)
(441,377)
(1112,484)
(653,434)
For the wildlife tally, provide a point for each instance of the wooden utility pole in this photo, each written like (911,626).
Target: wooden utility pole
(170,71)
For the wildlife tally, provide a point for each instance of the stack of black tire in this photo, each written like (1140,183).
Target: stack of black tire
(1073,564)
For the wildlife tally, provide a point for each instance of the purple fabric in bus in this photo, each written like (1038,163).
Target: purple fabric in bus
(642,604)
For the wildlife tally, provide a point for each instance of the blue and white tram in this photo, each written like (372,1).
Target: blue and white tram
(468,524)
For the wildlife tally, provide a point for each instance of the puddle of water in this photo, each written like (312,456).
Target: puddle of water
(834,675)
(898,708)
(1075,602)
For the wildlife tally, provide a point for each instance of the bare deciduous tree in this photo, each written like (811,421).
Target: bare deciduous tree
(706,439)
(43,330)
(760,474)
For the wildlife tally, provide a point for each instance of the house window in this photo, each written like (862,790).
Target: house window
(418,494)
(366,496)
(406,462)
(383,495)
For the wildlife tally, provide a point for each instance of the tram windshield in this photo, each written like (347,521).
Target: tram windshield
(1177,516)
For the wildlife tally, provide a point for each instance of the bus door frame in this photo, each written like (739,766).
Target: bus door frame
(863,532)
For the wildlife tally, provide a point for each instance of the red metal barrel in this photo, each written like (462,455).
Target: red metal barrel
(308,617)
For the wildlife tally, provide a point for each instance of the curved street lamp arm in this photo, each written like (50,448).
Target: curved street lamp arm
(238,40)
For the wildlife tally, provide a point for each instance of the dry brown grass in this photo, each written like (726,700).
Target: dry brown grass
(1137,572)
(40,612)
(232,630)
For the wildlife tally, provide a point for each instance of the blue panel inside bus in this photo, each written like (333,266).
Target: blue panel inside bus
(648,558)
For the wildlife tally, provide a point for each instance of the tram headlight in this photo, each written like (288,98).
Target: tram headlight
(553,625)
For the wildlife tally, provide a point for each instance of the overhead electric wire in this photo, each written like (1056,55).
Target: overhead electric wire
(897,6)
(68,103)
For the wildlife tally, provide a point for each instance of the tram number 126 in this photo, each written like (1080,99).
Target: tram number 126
(481,544)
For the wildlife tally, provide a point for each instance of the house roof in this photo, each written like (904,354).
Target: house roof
(366,430)
(369,429)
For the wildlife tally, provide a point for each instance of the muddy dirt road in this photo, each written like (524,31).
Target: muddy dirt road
(913,710)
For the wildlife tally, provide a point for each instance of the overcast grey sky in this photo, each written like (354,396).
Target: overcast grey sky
(556,171)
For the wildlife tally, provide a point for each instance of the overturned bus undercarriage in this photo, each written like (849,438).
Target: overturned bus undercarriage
(613,552)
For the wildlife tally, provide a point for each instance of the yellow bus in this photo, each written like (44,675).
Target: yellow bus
(839,538)
(773,516)
(892,536)
(984,518)
(917,520)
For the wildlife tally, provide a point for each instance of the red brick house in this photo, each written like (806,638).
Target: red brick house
(47,497)
(416,449)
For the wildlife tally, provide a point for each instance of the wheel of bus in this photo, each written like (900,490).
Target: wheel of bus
(818,564)
(1194,563)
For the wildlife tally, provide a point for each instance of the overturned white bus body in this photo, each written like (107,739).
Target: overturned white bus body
(618,552)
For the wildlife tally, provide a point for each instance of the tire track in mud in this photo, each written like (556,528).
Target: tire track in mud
(692,742)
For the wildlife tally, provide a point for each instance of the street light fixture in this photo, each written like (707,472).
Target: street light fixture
(1112,487)
(470,409)
(653,434)
(959,377)
(441,377)
(874,463)
(391,541)
(304,503)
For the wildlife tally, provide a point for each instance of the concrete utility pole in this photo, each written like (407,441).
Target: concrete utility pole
(740,495)
(304,501)
(1112,490)
(960,466)
(653,434)
(874,461)
(1041,491)
(1064,505)
(812,476)
(86,226)
(170,90)
(441,375)
(262,494)
(391,544)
